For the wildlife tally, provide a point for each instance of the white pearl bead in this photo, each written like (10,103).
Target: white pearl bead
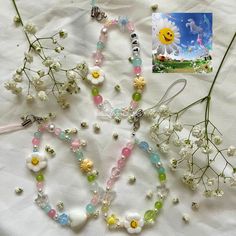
(51,128)
(78,218)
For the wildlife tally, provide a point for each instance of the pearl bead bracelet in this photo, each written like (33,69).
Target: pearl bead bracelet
(96,75)
(134,222)
(36,162)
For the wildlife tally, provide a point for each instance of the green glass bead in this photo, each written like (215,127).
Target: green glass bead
(95,91)
(162,177)
(150,216)
(158,205)
(137,96)
(40,177)
(91,178)
(62,136)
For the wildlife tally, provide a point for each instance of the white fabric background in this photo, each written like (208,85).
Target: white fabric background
(19,216)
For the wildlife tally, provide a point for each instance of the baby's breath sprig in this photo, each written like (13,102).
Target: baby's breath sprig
(42,69)
(200,154)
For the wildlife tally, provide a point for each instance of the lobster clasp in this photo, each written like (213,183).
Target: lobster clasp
(136,119)
(98,14)
(30,119)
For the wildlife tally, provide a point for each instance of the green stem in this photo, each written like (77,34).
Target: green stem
(207,109)
(21,22)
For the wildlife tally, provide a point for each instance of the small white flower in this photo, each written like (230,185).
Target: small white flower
(41,73)
(208,193)
(63,34)
(197,131)
(218,193)
(185,152)
(56,65)
(173,164)
(29,98)
(168,131)
(217,140)
(17,77)
(133,223)
(210,182)
(231,151)
(30,28)
(178,126)
(48,62)
(16,20)
(164,110)
(164,148)
(190,180)
(177,142)
(36,161)
(207,149)
(42,95)
(96,75)
(71,75)
(29,57)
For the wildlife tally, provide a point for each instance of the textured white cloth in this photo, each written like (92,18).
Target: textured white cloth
(19,215)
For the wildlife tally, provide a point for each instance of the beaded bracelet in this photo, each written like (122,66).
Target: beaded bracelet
(96,75)
(36,162)
(133,222)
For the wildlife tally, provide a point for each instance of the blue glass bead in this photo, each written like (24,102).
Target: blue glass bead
(37,135)
(63,219)
(100,45)
(155,158)
(68,138)
(161,170)
(143,145)
(90,209)
(35,149)
(79,155)
(47,208)
(137,61)
(117,112)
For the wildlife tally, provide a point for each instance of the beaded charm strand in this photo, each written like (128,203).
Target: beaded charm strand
(36,162)
(96,75)
(134,222)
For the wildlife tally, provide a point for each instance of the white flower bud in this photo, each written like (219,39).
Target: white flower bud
(164,148)
(71,75)
(42,95)
(177,126)
(30,28)
(217,140)
(231,151)
(63,34)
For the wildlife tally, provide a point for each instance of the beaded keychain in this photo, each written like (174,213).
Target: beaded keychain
(96,75)
(36,162)
(134,222)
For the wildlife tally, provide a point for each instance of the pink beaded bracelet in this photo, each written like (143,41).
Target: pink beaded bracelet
(96,75)
(36,162)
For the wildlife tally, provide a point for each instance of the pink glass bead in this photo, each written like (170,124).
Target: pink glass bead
(98,58)
(57,131)
(126,152)
(110,183)
(133,105)
(130,145)
(137,70)
(35,141)
(103,38)
(42,128)
(130,26)
(115,172)
(95,200)
(52,213)
(121,163)
(75,144)
(40,185)
(97,99)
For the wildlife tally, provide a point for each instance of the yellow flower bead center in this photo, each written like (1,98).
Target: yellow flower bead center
(134,224)
(95,74)
(35,161)
(111,220)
